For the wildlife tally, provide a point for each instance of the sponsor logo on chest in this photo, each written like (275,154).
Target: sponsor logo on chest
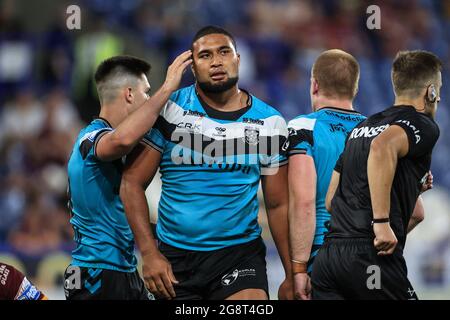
(367,132)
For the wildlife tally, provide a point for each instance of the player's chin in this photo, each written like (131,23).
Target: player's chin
(218,81)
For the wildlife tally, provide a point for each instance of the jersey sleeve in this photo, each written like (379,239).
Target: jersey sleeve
(301,136)
(15,286)
(88,142)
(157,137)
(10,281)
(27,291)
(422,133)
(278,146)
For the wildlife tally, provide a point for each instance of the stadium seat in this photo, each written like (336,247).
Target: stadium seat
(50,270)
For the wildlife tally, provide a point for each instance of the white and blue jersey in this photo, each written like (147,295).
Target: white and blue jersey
(210,169)
(102,234)
(322,135)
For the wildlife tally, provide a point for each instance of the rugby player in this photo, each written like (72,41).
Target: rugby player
(375,187)
(105,246)
(213,142)
(15,286)
(316,141)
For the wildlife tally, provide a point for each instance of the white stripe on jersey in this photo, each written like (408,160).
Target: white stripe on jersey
(302,123)
(174,114)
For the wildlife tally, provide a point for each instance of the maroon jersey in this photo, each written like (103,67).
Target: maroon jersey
(15,286)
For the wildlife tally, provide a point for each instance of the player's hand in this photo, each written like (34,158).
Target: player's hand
(302,286)
(286,290)
(158,275)
(176,70)
(385,240)
(428,184)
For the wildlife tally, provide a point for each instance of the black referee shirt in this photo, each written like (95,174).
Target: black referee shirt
(351,210)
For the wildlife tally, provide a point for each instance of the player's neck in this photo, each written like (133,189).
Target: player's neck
(109,114)
(418,103)
(229,100)
(323,102)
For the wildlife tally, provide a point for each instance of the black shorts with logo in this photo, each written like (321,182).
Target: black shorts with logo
(351,269)
(217,274)
(103,284)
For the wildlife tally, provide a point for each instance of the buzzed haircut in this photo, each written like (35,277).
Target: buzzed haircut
(413,71)
(337,73)
(213,30)
(117,72)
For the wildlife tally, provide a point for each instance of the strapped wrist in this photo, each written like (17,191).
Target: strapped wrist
(299,266)
(382,220)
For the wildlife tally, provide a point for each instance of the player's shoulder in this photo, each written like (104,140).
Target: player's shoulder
(339,114)
(98,123)
(304,121)
(92,129)
(179,101)
(11,280)
(263,113)
(263,109)
(420,123)
(409,112)
(410,116)
(183,96)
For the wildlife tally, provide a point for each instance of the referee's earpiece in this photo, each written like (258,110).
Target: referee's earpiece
(431,94)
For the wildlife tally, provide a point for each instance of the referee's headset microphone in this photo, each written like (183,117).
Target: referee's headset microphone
(430,96)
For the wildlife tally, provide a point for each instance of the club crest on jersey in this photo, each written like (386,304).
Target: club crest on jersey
(251,135)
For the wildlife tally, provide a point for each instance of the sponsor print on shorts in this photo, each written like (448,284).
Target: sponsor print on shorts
(230,278)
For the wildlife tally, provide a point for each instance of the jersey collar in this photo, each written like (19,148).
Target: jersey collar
(104,120)
(340,110)
(224,115)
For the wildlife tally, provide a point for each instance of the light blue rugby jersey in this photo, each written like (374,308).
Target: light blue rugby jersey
(103,236)
(210,169)
(322,135)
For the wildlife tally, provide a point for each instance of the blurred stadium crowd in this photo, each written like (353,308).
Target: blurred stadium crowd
(47,93)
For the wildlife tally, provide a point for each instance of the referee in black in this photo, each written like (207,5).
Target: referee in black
(375,186)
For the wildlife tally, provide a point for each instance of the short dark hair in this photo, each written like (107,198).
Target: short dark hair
(337,73)
(112,71)
(412,71)
(213,30)
(129,64)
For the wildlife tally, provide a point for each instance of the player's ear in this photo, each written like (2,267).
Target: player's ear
(431,94)
(129,97)
(314,86)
